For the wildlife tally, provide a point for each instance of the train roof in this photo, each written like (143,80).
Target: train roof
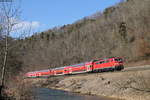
(74,65)
(60,67)
(80,64)
(40,71)
(43,70)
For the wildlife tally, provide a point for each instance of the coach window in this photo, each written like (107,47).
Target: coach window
(106,61)
(100,62)
(97,63)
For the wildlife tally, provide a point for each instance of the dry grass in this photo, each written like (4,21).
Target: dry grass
(19,89)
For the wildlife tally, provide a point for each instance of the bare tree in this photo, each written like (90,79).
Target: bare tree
(8,13)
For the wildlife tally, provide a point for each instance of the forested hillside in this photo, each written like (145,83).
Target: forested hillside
(121,30)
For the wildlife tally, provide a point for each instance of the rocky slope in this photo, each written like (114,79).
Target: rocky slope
(129,84)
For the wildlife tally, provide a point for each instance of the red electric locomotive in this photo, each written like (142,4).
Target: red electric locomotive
(106,64)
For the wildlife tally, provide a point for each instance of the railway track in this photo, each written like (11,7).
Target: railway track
(137,68)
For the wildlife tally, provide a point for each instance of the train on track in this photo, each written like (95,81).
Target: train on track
(99,65)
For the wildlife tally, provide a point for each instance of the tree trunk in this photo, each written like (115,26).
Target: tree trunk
(4,65)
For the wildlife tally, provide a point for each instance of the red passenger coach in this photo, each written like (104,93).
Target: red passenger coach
(78,68)
(41,73)
(105,64)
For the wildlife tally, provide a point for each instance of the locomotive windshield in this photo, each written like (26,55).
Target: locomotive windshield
(118,59)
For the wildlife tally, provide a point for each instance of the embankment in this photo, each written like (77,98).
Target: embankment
(130,84)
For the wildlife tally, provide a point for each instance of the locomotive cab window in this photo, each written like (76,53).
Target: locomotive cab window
(118,59)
